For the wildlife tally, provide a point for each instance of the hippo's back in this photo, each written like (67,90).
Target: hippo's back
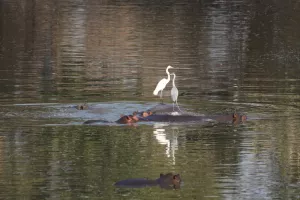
(163,108)
(138,182)
(174,118)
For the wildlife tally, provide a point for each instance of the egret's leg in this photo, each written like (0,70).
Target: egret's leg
(178,106)
(173,106)
(162,100)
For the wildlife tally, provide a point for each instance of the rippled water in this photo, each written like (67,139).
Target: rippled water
(227,56)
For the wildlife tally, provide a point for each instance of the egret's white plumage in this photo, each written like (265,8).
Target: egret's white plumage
(174,93)
(162,83)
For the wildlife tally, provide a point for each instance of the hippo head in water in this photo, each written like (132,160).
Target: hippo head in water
(169,180)
(165,181)
(146,113)
(82,106)
(133,118)
(125,119)
(237,118)
(143,113)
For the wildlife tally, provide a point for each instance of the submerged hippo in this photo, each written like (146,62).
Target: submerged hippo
(148,116)
(124,119)
(234,118)
(166,181)
(158,114)
(163,108)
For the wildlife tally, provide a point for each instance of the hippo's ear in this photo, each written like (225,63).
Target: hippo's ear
(135,113)
(176,176)
(144,114)
(234,115)
(121,115)
(244,118)
(161,175)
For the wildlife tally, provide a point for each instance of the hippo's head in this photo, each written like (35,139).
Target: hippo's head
(125,119)
(170,179)
(176,181)
(133,118)
(82,107)
(143,113)
(146,113)
(237,118)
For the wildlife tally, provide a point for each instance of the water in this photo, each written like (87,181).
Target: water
(227,55)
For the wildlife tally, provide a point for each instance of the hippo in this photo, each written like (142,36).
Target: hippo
(148,116)
(163,108)
(124,119)
(142,114)
(82,106)
(165,181)
(161,113)
(235,118)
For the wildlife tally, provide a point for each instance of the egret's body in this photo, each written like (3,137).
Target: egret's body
(174,93)
(162,83)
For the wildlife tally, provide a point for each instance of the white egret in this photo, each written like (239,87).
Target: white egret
(174,93)
(162,83)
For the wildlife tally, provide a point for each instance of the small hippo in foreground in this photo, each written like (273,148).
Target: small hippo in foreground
(165,181)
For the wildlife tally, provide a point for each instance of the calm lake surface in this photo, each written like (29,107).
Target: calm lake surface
(228,55)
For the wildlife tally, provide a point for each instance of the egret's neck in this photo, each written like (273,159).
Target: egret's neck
(167,71)
(174,81)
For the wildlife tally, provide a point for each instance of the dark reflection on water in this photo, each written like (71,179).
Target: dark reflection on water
(227,55)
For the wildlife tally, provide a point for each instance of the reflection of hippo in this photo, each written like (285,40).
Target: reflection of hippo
(166,181)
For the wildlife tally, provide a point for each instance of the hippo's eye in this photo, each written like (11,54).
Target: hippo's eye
(127,117)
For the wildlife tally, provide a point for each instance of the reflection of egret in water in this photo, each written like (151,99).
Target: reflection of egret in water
(2,142)
(168,139)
